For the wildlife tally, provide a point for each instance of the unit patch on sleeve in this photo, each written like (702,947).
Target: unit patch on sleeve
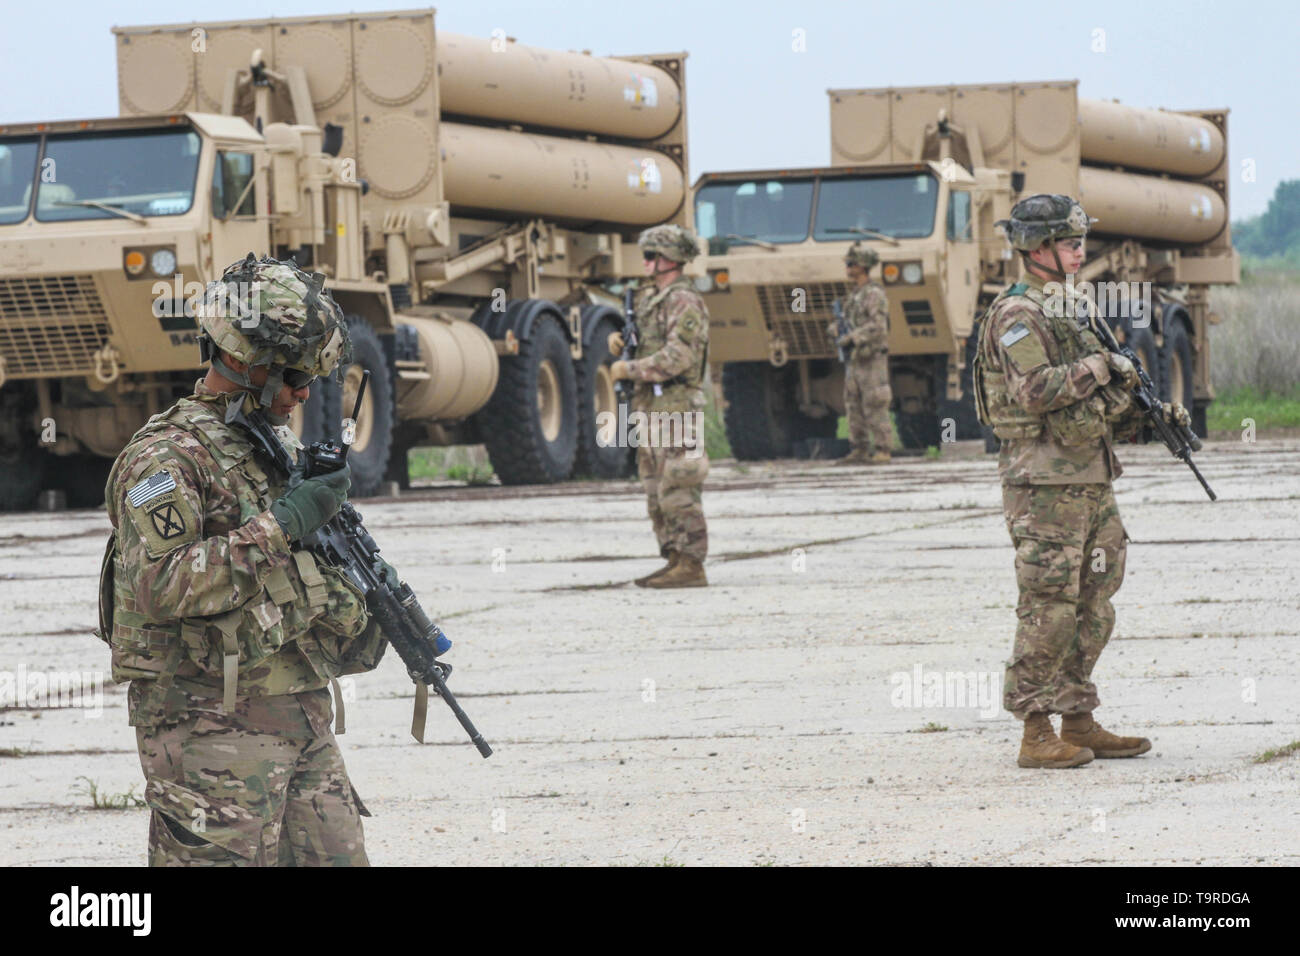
(161,514)
(1023,347)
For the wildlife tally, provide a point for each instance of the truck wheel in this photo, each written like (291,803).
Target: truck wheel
(1177,371)
(530,426)
(756,419)
(22,468)
(919,430)
(596,395)
(1143,342)
(368,456)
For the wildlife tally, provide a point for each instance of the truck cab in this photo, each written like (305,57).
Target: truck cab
(775,266)
(109,231)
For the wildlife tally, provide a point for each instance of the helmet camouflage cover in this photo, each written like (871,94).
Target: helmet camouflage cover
(860,255)
(1039,219)
(671,242)
(268,312)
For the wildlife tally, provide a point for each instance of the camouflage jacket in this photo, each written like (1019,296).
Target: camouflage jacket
(1044,385)
(198,574)
(673,351)
(866,310)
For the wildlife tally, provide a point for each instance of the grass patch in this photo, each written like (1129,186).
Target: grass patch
(467,463)
(1267,410)
(13,752)
(842,430)
(101,800)
(716,444)
(1257,345)
(932,728)
(1278,752)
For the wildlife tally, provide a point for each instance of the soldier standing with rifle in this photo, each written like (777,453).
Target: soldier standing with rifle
(865,340)
(228,634)
(674,327)
(1058,400)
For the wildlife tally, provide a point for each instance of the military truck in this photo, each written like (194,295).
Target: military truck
(467,199)
(920,175)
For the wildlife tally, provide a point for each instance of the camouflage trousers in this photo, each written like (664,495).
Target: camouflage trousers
(265,786)
(673,476)
(866,402)
(1070,551)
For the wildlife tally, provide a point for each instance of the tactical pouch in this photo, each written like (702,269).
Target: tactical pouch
(1080,423)
(105,632)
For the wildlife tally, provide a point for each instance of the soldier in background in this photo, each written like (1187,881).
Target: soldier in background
(669,376)
(866,373)
(228,635)
(1058,401)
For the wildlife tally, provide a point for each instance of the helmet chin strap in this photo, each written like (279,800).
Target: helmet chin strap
(262,395)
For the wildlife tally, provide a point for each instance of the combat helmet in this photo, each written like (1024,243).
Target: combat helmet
(860,255)
(1044,217)
(271,313)
(670,241)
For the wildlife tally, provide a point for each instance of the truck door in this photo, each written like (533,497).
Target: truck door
(963,283)
(236,192)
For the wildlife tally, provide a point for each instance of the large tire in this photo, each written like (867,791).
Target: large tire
(596,394)
(756,420)
(22,469)
(763,420)
(368,456)
(1177,371)
(530,425)
(1143,342)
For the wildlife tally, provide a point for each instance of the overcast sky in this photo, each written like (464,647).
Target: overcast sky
(754,102)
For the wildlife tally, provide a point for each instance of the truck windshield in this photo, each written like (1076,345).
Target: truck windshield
(901,206)
(145,172)
(17,173)
(738,213)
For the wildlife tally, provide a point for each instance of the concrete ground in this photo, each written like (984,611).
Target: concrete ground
(831,698)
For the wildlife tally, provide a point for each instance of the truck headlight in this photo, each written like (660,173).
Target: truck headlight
(704,283)
(912,273)
(163,263)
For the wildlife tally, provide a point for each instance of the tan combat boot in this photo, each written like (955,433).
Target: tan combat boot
(1082,731)
(857,456)
(672,557)
(688,573)
(879,458)
(1042,749)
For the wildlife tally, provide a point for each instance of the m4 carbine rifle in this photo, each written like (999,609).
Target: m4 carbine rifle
(631,339)
(841,329)
(1179,439)
(345,544)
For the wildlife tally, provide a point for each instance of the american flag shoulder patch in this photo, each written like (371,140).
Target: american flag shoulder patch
(1014,335)
(151,488)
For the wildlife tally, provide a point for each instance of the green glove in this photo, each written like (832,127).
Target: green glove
(387,572)
(305,507)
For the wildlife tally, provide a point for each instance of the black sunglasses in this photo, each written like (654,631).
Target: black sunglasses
(296,378)
(650,256)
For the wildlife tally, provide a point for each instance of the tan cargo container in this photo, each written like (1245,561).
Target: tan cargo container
(920,174)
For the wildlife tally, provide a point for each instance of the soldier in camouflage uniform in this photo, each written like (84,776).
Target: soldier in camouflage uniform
(1058,400)
(672,461)
(228,636)
(866,373)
